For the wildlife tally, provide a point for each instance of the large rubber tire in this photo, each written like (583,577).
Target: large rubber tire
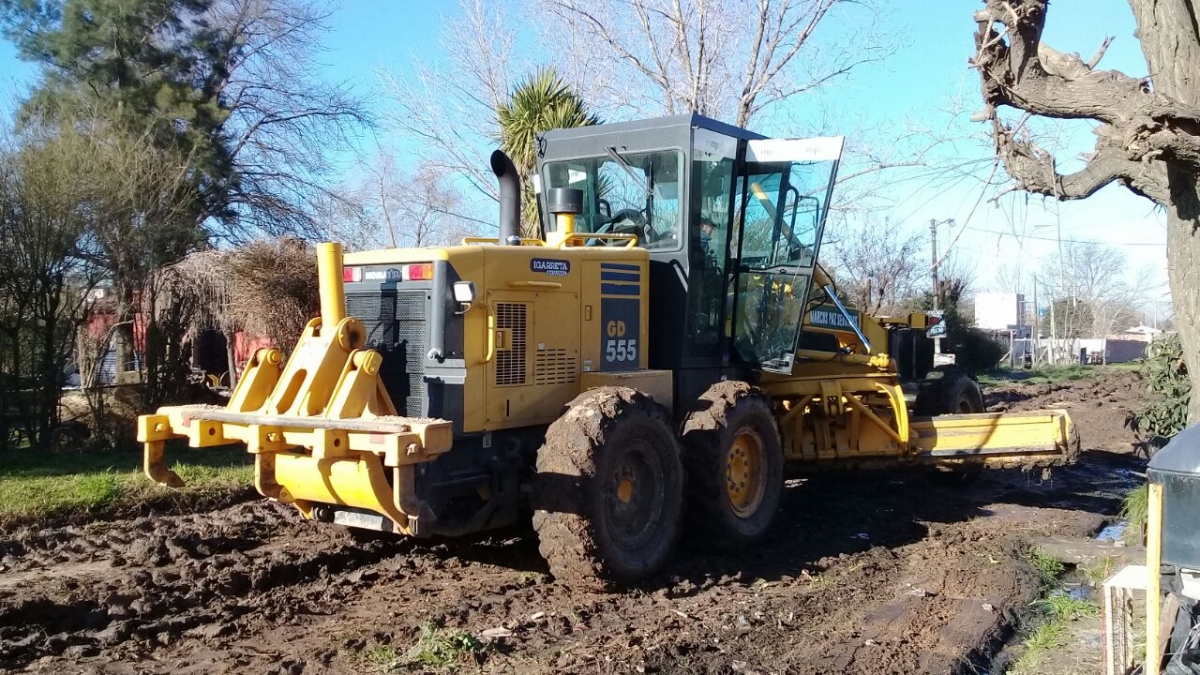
(734,461)
(608,497)
(956,393)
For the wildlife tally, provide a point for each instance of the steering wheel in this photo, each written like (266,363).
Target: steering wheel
(641,227)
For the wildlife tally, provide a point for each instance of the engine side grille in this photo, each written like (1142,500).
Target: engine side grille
(554,366)
(510,363)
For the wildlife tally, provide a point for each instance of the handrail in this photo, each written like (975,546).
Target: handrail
(570,239)
(491,337)
(492,240)
(535,284)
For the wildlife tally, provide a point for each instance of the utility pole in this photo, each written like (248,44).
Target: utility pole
(1037,320)
(933,270)
(1053,334)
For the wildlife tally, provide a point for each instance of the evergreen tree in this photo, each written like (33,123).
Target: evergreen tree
(540,103)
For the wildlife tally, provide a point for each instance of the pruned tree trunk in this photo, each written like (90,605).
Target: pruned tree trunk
(1149,133)
(1183,272)
(1171,44)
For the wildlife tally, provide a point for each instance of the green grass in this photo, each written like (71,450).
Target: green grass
(1042,374)
(445,647)
(41,486)
(1135,506)
(1099,570)
(1046,636)
(383,657)
(1048,567)
(1055,612)
(1061,607)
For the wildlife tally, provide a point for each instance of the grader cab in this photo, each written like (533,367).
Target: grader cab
(672,320)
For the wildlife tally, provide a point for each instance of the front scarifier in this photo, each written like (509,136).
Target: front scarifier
(322,428)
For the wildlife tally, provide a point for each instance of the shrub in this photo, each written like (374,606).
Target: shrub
(1164,414)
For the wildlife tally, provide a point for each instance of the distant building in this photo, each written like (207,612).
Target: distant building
(1142,333)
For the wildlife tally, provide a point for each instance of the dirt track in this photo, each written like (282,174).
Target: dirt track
(866,574)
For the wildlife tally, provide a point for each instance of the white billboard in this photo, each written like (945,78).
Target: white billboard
(998,311)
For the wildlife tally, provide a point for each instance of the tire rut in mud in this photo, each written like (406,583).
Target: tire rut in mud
(865,573)
(153,580)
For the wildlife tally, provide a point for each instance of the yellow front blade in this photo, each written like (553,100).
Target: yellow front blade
(999,440)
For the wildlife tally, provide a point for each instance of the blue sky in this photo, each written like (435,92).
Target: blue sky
(912,88)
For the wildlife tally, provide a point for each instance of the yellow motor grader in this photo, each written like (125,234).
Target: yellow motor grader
(652,363)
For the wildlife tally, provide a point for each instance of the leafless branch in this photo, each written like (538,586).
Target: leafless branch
(1139,125)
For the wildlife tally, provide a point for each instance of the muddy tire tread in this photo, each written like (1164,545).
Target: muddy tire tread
(568,539)
(705,436)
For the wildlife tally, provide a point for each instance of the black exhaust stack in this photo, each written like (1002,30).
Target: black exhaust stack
(510,198)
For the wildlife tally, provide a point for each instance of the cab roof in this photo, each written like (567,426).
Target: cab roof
(668,123)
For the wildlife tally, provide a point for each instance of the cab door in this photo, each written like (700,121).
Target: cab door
(784,189)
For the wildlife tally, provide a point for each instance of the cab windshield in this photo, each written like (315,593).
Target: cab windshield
(625,193)
(783,199)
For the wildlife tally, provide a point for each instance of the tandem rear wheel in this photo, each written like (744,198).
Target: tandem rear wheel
(608,496)
(956,393)
(734,461)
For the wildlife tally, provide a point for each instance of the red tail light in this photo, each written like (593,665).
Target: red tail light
(421,272)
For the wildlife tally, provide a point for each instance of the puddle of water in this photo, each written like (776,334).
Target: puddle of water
(1113,532)
(1130,474)
(1080,592)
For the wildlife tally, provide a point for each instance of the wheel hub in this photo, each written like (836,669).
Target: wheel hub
(745,463)
(633,499)
(625,490)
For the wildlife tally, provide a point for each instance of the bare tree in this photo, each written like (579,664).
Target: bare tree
(1010,278)
(281,119)
(388,207)
(1146,132)
(430,210)
(878,269)
(624,58)
(1087,284)
(42,284)
(448,110)
(233,84)
(729,60)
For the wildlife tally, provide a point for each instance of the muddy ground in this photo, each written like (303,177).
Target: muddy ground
(868,573)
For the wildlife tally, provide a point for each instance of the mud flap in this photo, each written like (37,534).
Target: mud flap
(997,440)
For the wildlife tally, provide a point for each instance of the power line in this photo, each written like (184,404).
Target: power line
(1065,241)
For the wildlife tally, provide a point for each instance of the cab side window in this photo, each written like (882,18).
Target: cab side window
(709,239)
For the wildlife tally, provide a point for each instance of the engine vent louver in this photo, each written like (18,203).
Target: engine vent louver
(554,366)
(510,363)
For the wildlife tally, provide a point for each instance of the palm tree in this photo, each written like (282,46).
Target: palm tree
(540,103)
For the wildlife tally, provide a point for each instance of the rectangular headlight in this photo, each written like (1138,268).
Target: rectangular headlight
(464,291)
